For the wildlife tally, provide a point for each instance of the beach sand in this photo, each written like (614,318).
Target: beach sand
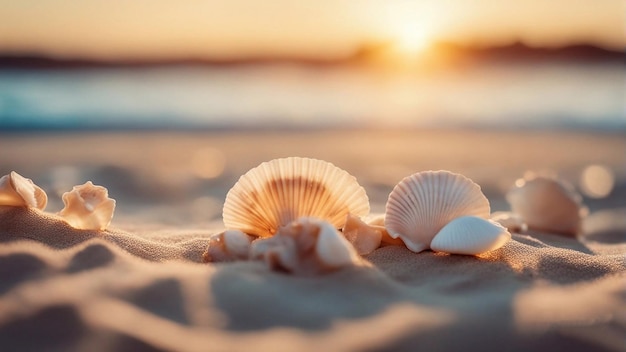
(141,286)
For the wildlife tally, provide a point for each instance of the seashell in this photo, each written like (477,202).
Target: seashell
(421,204)
(470,235)
(18,191)
(305,246)
(88,207)
(280,191)
(227,246)
(513,222)
(378,221)
(547,204)
(375,220)
(365,238)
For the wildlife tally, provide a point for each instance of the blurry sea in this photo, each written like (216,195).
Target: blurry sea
(504,95)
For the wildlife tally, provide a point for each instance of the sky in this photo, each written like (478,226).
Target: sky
(316,29)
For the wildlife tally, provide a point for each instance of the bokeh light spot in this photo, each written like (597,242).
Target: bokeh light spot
(597,181)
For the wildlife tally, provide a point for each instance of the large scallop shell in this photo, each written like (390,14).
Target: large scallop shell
(280,191)
(17,190)
(470,235)
(547,204)
(421,204)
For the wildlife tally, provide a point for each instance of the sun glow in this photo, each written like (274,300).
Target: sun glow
(410,28)
(412,41)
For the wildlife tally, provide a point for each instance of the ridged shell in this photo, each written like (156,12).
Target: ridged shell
(547,204)
(17,190)
(280,191)
(470,235)
(421,204)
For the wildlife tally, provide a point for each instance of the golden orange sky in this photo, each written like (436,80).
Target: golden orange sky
(166,29)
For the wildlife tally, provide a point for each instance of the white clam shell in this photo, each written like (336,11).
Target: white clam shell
(306,246)
(18,191)
(88,207)
(227,246)
(470,235)
(421,204)
(280,191)
(513,222)
(547,204)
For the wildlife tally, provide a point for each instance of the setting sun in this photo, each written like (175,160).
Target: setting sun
(411,28)
(412,41)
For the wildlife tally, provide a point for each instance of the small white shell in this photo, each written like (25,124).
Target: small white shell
(365,238)
(513,222)
(306,246)
(470,235)
(227,246)
(547,204)
(421,204)
(18,191)
(88,207)
(280,191)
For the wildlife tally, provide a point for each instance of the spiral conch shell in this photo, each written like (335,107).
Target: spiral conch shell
(88,207)
(306,246)
(470,235)
(280,191)
(547,204)
(18,191)
(421,204)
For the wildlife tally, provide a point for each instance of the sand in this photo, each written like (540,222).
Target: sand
(141,286)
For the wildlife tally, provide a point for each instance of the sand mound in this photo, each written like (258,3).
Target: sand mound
(64,289)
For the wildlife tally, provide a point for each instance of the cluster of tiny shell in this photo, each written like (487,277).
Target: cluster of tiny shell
(87,206)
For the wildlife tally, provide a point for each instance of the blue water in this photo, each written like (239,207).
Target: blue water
(502,95)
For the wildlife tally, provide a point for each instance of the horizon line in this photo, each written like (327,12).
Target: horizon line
(515,50)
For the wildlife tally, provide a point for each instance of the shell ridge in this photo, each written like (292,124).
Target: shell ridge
(282,190)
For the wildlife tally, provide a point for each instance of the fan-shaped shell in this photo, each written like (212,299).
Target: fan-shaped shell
(547,204)
(470,235)
(17,190)
(421,204)
(280,191)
